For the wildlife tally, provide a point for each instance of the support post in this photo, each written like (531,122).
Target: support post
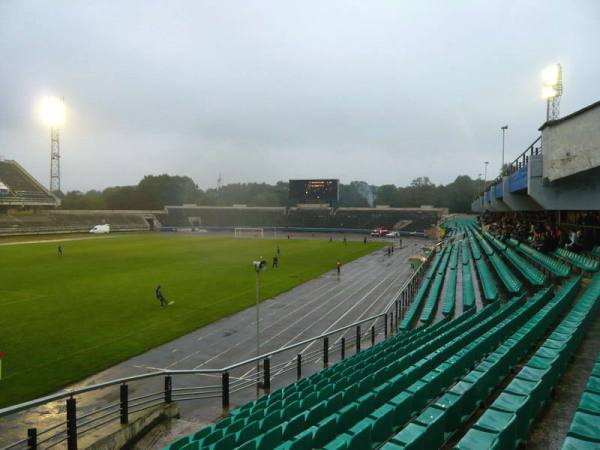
(71,424)
(168,389)
(32,438)
(385,326)
(299,366)
(267,374)
(343,348)
(372,335)
(225,390)
(357,338)
(124,391)
(325,351)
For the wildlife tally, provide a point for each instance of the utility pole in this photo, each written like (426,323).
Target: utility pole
(504,128)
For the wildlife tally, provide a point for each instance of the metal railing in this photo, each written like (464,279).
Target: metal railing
(535,148)
(284,365)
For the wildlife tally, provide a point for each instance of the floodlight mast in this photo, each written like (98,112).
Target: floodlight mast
(54,116)
(552,90)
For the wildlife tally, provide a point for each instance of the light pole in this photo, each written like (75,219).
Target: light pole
(484,184)
(53,110)
(259,266)
(504,128)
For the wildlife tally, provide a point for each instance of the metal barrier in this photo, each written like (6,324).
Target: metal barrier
(535,148)
(279,367)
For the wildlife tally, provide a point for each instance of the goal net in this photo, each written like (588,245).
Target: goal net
(248,232)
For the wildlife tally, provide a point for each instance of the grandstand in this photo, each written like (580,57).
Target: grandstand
(19,189)
(559,171)
(317,218)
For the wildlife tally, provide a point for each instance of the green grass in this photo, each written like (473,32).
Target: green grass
(66,318)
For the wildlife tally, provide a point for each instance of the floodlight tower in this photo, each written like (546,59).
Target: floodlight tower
(552,90)
(54,116)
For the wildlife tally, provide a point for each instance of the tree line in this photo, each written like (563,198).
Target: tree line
(156,191)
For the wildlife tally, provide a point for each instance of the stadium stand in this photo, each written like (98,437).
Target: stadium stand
(70,222)
(19,189)
(406,219)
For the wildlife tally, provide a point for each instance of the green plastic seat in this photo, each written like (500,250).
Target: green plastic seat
(324,431)
(585,426)
(572,443)
(383,424)
(478,440)
(411,437)
(433,419)
(249,432)
(503,424)
(590,403)
(179,443)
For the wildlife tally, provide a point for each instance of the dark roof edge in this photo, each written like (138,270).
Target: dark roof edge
(570,116)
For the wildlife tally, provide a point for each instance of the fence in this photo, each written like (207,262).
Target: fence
(233,385)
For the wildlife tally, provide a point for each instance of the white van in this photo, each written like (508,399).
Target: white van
(100,229)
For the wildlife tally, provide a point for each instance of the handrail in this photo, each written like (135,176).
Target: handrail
(520,161)
(70,393)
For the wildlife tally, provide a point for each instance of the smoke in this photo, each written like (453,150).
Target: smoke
(367,192)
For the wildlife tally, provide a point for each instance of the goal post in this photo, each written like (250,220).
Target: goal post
(239,232)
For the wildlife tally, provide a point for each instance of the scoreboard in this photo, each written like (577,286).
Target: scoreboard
(314,191)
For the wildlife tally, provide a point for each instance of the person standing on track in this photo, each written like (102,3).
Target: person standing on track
(338,267)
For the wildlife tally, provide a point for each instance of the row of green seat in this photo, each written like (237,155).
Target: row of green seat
(464,252)
(584,432)
(555,266)
(508,278)
(426,379)
(436,287)
(454,408)
(531,273)
(507,423)
(352,376)
(476,252)
(450,297)
(268,400)
(415,306)
(468,292)
(489,287)
(581,261)
(454,256)
(403,379)
(596,251)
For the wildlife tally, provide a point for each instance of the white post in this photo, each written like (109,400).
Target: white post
(257,326)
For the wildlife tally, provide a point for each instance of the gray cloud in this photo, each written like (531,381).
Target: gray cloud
(270,90)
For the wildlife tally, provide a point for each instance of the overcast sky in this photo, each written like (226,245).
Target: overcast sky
(381,91)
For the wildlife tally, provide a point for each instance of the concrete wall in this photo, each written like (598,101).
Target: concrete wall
(572,146)
(578,192)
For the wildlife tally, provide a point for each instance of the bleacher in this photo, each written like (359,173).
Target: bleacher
(447,380)
(69,221)
(407,219)
(20,188)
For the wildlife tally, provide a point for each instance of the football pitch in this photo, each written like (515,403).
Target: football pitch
(64,318)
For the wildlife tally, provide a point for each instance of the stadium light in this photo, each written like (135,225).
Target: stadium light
(53,111)
(552,89)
